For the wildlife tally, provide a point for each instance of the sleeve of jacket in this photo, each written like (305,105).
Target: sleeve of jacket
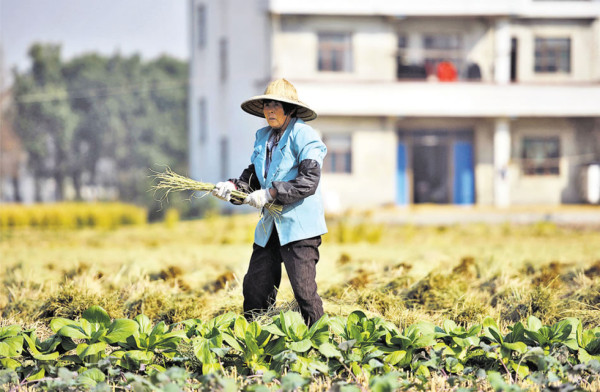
(304,185)
(247,182)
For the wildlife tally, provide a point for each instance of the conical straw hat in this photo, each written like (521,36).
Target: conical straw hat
(283,91)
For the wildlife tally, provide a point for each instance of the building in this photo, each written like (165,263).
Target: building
(433,101)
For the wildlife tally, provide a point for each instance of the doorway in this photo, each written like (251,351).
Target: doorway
(435,167)
(430,171)
(513,59)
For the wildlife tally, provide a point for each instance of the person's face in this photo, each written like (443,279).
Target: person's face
(274,114)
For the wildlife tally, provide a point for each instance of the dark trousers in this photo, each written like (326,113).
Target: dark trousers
(264,276)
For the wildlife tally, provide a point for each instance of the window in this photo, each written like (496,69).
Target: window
(223,59)
(202,120)
(402,41)
(445,48)
(339,154)
(541,155)
(442,41)
(335,52)
(553,55)
(201,26)
(224,157)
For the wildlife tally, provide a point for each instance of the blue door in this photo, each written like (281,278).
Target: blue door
(464,178)
(401,180)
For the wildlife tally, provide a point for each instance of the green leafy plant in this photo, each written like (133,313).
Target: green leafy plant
(456,342)
(45,353)
(561,332)
(589,344)
(354,353)
(11,345)
(506,349)
(401,347)
(147,341)
(97,332)
(254,343)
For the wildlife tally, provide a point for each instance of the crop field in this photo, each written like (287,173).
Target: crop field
(435,308)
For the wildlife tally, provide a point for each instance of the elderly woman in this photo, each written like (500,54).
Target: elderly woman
(285,169)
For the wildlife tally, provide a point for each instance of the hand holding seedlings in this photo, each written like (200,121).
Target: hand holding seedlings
(169,181)
(259,198)
(222,190)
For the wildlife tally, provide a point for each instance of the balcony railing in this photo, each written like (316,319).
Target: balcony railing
(439,69)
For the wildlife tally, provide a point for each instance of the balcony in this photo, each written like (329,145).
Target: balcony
(450,99)
(404,8)
(441,57)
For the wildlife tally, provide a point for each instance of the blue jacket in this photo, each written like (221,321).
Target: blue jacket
(304,218)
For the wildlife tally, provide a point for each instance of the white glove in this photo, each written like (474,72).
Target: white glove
(259,198)
(223,190)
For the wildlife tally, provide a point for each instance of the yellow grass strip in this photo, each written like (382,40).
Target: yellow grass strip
(169,181)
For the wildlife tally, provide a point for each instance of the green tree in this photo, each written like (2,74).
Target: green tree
(132,113)
(118,109)
(44,119)
(88,85)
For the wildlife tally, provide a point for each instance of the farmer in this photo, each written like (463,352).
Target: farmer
(285,169)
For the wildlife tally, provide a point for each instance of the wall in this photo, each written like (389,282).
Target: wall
(583,49)
(248,70)
(295,49)
(543,189)
(374,44)
(484,162)
(372,181)
(595,49)
(203,159)
(374,144)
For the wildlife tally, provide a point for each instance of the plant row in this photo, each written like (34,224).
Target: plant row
(72,215)
(283,353)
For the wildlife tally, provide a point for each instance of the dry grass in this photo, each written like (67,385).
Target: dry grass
(194,270)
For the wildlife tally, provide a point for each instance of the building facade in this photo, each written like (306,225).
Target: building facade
(436,101)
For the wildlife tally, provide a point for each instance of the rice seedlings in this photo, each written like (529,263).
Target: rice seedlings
(169,181)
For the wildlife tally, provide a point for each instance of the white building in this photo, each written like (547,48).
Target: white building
(430,101)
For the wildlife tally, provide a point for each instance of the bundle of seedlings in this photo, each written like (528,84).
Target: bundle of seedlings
(169,181)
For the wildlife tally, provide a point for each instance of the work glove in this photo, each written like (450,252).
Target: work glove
(223,190)
(259,198)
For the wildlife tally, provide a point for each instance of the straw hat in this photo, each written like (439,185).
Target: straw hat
(283,91)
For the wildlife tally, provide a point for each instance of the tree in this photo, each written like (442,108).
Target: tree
(93,109)
(89,85)
(43,119)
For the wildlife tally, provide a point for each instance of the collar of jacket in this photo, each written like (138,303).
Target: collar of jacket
(277,154)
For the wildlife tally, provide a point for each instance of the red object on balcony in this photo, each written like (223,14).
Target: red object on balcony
(446,72)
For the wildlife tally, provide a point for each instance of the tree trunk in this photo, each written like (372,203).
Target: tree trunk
(77,185)
(17,189)
(60,182)
(37,189)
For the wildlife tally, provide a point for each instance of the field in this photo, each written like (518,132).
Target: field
(489,280)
